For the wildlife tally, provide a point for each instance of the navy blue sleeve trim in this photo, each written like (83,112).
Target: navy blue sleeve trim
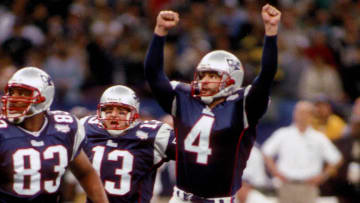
(155,75)
(258,97)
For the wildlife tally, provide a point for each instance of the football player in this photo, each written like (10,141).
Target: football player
(215,117)
(124,150)
(37,145)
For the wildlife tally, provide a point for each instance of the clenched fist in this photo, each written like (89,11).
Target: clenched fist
(271,17)
(165,21)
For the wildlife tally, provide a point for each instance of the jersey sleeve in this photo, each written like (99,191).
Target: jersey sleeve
(86,145)
(79,139)
(258,97)
(155,75)
(163,142)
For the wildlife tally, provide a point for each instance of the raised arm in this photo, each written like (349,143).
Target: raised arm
(258,97)
(154,61)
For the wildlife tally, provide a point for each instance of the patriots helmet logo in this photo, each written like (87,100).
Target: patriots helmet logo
(234,65)
(47,79)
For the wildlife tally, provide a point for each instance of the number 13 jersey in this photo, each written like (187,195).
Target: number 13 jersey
(127,163)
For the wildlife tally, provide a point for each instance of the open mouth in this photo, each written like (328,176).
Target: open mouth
(114,123)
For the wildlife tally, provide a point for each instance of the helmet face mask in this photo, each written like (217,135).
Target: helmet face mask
(120,120)
(212,86)
(227,66)
(29,91)
(118,109)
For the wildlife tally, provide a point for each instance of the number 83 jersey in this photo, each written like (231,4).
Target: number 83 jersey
(127,163)
(32,163)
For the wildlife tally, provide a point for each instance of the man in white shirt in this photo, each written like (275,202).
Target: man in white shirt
(301,153)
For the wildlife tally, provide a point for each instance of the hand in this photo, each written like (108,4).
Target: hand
(271,17)
(317,180)
(165,21)
(281,177)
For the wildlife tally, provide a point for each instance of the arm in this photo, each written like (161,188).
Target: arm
(329,171)
(258,97)
(154,72)
(333,159)
(270,164)
(271,148)
(88,178)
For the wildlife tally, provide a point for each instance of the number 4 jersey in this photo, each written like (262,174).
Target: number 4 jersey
(32,163)
(213,144)
(127,163)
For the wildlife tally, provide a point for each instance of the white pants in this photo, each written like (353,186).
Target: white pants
(255,196)
(180,196)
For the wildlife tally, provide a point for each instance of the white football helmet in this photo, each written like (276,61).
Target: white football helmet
(119,96)
(43,91)
(227,66)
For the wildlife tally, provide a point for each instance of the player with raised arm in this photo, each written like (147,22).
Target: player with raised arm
(37,145)
(124,150)
(215,117)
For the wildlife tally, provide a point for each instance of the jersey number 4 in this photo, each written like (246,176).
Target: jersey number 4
(198,139)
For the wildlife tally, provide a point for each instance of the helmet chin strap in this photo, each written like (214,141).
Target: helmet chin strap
(222,93)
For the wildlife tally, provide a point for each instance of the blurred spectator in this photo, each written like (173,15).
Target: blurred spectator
(80,111)
(320,79)
(302,152)
(100,64)
(320,49)
(55,27)
(36,58)
(326,121)
(67,70)
(292,64)
(356,107)
(348,49)
(17,46)
(39,17)
(34,34)
(5,74)
(7,21)
(292,36)
(346,185)
(105,26)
